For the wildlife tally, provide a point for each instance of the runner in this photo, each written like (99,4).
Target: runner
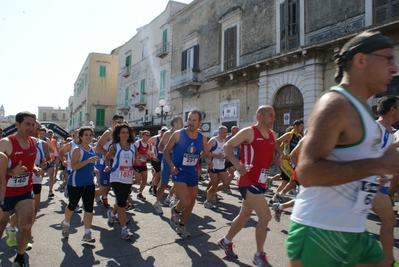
(340,178)
(81,183)
(228,165)
(218,172)
(53,168)
(177,124)
(140,167)
(258,144)
(102,147)
(187,145)
(156,159)
(21,151)
(123,152)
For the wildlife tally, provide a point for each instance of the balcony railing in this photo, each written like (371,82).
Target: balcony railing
(186,76)
(126,71)
(162,49)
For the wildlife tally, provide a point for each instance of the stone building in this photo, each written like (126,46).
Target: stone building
(144,71)
(55,115)
(94,95)
(230,56)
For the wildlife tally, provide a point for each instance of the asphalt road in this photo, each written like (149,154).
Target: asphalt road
(154,242)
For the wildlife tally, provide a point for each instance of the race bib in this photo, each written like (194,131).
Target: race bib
(143,158)
(365,197)
(102,161)
(189,160)
(263,176)
(18,181)
(125,172)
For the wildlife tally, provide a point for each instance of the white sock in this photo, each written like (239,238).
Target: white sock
(11,228)
(87,231)
(280,207)
(226,240)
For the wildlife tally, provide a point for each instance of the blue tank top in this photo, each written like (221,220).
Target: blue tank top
(85,175)
(186,151)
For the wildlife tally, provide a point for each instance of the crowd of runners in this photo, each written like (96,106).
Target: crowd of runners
(345,165)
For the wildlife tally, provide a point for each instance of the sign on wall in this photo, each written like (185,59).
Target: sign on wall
(229,110)
(286,119)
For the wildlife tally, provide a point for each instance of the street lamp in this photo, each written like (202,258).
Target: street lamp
(162,111)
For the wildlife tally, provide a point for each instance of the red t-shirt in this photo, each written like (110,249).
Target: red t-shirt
(19,185)
(260,154)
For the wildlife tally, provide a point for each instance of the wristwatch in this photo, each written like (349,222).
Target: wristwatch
(2,204)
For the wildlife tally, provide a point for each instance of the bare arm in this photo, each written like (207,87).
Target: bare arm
(3,170)
(164,140)
(110,155)
(284,138)
(209,145)
(103,140)
(334,122)
(65,149)
(294,155)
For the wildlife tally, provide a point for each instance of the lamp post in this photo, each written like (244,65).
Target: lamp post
(162,110)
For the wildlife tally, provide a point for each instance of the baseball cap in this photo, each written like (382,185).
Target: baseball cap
(50,131)
(164,129)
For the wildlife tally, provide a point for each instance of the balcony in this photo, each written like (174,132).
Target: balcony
(126,71)
(186,82)
(162,49)
(139,101)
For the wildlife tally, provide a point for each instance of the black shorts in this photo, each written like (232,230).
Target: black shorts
(284,177)
(37,189)
(156,165)
(140,169)
(228,164)
(122,192)
(254,189)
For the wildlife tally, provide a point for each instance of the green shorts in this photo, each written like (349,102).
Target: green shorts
(315,247)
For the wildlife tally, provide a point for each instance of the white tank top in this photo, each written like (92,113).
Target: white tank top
(38,161)
(387,139)
(122,168)
(343,207)
(218,164)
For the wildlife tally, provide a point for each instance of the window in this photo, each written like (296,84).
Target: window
(162,83)
(63,116)
(128,60)
(289,24)
(103,71)
(230,48)
(44,116)
(100,117)
(144,51)
(190,58)
(142,90)
(165,40)
(54,116)
(126,97)
(85,78)
(385,10)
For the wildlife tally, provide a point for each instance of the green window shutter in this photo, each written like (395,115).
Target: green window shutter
(85,78)
(165,40)
(162,84)
(80,118)
(100,117)
(128,60)
(142,90)
(126,97)
(103,71)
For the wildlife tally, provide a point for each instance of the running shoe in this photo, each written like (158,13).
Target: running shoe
(279,198)
(182,231)
(166,202)
(104,200)
(61,188)
(19,263)
(154,191)
(78,209)
(88,238)
(11,237)
(111,218)
(227,191)
(277,212)
(261,260)
(150,190)
(50,194)
(126,234)
(228,248)
(65,229)
(158,207)
(117,220)
(173,202)
(175,217)
(141,197)
(129,206)
(208,205)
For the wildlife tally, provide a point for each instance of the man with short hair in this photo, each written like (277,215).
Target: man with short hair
(340,178)
(187,145)
(258,145)
(102,147)
(21,151)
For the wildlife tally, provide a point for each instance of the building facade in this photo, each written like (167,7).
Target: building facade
(144,71)
(55,115)
(94,95)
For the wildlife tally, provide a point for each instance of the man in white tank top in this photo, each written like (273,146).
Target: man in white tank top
(341,162)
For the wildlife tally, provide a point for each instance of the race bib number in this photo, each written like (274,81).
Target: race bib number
(125,172)
(102,161)
(263,176)
(143,158)
(365,197)
(18,181)
(189,160)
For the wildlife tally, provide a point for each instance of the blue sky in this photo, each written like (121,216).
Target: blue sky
(44,43)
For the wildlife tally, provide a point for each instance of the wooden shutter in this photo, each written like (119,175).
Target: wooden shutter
(142,90)
(283,26)
(184,60)
(196,56)
(165,40)
(230,48)
(100,117)
(128,60)
(293,25)
(126,97)
(162,83)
